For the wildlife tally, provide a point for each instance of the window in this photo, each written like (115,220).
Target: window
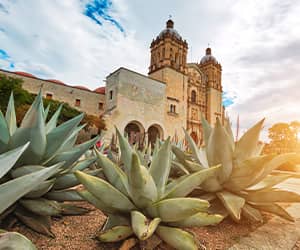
(49,96)
(110,95)
(193,96)
(77,102)
(173,108)
(100,105)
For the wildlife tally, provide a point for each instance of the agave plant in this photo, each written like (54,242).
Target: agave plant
(140,201)
(244,185)
(50,145)
(15,241)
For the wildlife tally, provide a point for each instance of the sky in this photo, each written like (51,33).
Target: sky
(81,41)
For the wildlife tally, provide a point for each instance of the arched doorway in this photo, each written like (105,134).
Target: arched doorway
(195,137)
(135,133)
(154,132)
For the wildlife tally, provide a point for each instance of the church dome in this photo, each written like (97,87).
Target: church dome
(208,57)
(170,30)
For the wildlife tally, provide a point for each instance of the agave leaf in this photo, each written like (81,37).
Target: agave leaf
(113,173)
(246,147)
(177,238)
(71,140)
(275,209)
(206,129)
(71,156)
(276,162)
(69,209)
(57,136)
(252,213)
(32,129)
(126,151)
(179,167)
(46,112)
(272,195)
(53,121)
(89,197)
(41,189)
(212,184)
(228,129)
(81,165)
(175,209)
(219,151)
(10,115)
(4,135)
(244,174)
(269,182)
(233,204)
(15,241)
(160,167)
(38,223)
(42,206)
(18,172)
(70,180)
(64,195)
(105,192)
(188,184)
(115,220)
(12,190)
(141,226)
(8,159)
(197,155)
(141,184)
(115,234)
(200,219)
(217,207)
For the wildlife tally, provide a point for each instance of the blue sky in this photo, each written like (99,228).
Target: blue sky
(81,41)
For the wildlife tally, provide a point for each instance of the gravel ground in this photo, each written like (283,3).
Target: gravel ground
(77,232)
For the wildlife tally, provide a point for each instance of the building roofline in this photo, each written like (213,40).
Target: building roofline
(137,73)
(45,80)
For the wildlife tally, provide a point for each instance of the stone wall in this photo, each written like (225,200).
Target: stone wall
(136,98)
(89,100)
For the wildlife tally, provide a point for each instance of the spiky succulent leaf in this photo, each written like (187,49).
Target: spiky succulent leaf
(12,190)
(115,234)
(113,173)
(10,115)
(8,159)
(200,219)
(177,238)
(15,241)
(53,121)
(105,192)
(181,208)
(32,129)
(142,187)
(4,135)
(141,226)
(160,174)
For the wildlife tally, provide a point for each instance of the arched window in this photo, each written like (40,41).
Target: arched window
(193,96)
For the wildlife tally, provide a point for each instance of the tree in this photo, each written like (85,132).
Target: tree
(283,137)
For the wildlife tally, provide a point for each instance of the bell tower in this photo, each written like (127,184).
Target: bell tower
(168,65)
(212,70)
(168,50)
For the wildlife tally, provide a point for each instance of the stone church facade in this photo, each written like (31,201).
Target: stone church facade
(172,96)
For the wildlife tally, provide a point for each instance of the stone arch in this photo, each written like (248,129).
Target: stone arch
(135,132)
(154,131)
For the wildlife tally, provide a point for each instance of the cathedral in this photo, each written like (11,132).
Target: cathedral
(173,95)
